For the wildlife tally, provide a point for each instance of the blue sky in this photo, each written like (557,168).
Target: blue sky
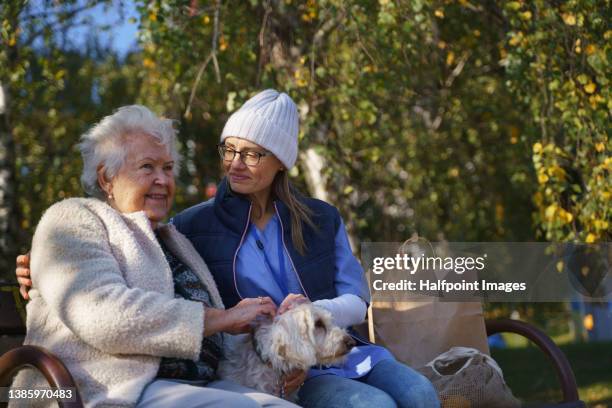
(122,37)
(117,15)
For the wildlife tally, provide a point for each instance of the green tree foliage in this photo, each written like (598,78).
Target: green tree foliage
(405,102)
(557,60)
(54,92)
(456,120)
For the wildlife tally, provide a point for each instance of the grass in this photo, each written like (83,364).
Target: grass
(532,378)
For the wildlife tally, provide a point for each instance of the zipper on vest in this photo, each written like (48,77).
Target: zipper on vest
(246,228)
(287,252)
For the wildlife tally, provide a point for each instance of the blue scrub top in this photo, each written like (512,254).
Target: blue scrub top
(263,268)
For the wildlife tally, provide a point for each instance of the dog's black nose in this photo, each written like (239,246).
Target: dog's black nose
(349,342)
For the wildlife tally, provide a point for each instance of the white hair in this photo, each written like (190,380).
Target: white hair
(104,144)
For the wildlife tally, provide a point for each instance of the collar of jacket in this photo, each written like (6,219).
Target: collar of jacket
(232,209)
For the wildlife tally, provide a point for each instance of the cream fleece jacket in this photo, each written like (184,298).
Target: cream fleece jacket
(103,300)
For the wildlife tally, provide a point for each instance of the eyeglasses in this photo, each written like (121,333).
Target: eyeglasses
(248,157)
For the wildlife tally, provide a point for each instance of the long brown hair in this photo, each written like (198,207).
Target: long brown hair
(300,213)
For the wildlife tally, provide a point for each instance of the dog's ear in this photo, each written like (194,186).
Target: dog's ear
(261,321)
(308,324)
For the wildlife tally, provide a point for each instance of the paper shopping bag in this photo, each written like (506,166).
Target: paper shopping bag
(417,331)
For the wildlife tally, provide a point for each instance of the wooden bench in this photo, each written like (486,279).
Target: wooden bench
(12,322)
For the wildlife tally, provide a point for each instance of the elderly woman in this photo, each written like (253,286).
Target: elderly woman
(124,300)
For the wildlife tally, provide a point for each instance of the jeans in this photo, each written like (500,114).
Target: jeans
(389,384)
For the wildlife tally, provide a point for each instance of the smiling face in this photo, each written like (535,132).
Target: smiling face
(250,180)
(145,181)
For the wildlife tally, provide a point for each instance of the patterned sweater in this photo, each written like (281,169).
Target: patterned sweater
(188,286)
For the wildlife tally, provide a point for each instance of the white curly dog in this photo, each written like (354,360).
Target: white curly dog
(300,338)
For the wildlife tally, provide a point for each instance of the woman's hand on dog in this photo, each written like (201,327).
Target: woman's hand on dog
(292,300)
(294,380)
(237,319)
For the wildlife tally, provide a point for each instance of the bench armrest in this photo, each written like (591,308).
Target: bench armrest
(54,371)
(554,353)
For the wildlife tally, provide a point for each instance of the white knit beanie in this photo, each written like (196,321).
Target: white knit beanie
(269,119)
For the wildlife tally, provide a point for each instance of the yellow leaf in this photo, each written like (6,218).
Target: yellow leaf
(499,212)
(565,216)
(537,147)
(206,19)
(600,147)
(550,211)
(514,134)
(516,39)
(590,238)
(514,5)
(12,41)
(153,17)
(514,131)
(556,171)
(590,88)
(569,19)
(560,266)
(588,322)
(526,15)
(439,13)
(537,198)
(222,44)
(590,49)
(450,58)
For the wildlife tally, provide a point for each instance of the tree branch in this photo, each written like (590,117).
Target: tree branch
(262,32)
(211,56)
(324,29)
(215,40)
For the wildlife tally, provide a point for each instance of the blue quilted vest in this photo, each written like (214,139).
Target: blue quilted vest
(217,228)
